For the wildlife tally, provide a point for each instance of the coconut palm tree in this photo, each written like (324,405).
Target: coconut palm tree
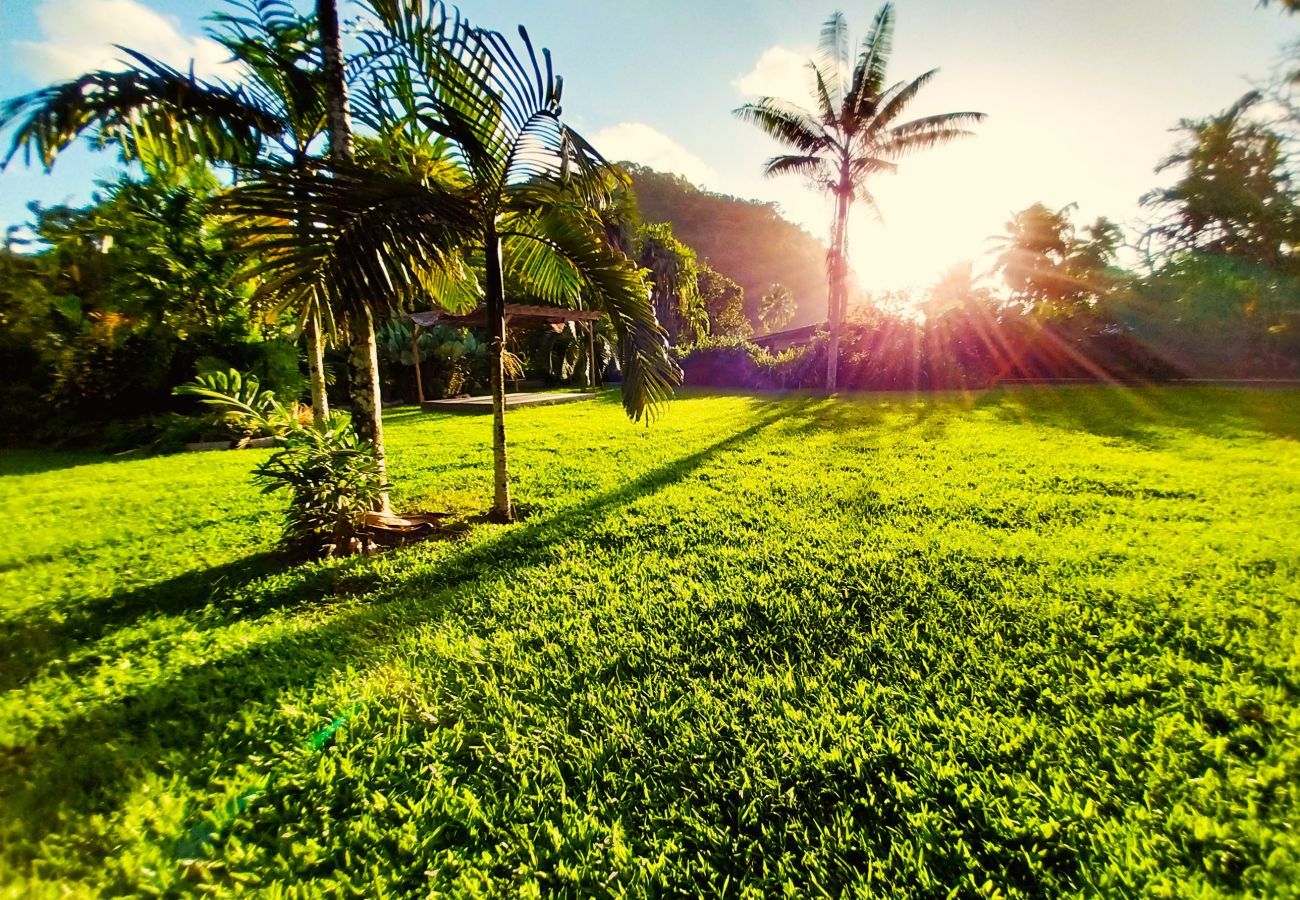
(853,135)
(275,112)
(522,202)
(776,308)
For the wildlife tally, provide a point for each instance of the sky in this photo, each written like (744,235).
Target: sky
(1080,97)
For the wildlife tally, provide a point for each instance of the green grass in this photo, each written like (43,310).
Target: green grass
(1034,642)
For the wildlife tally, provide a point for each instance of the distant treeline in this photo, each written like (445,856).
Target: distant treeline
(745,240)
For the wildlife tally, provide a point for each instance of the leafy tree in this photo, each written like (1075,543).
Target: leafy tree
(674,282)
(1233,196)
(724,303)
(1216,315)
(1051,268)
(853,135)
(128,296)
(777,307)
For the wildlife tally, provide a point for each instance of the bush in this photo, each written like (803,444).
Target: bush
(333,480)
(895,354)
(734,362)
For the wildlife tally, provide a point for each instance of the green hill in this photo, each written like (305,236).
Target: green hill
(745,240)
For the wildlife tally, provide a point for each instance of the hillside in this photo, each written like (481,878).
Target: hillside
(745,240)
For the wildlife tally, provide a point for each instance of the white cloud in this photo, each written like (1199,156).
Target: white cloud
(79,36)
(639,143)
(780,72)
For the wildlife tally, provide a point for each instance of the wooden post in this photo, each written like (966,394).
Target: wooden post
(591,356)
(415,360)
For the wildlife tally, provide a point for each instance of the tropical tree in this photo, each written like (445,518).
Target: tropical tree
(165,117)
(673,271)
(724,303)
(853,135)
(522,201)
(1050,266)
(1234,195)
(776,308)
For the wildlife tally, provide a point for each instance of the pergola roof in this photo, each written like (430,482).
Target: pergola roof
(521,313)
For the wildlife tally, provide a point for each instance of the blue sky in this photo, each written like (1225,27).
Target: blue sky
(1080,96)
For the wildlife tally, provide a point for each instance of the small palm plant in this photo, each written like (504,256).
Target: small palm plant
(853,135)
(333,478)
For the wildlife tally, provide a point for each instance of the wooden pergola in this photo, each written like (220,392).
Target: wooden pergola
(521,313)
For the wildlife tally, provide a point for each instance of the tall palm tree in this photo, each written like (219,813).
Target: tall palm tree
(523,200)
(275,112)
(363,357)
(853,135)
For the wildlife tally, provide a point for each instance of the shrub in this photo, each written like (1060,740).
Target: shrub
(243,406)
(894,354)
(734,362)
(332,478)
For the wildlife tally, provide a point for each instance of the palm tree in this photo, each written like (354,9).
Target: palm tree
(522,201)
(852,136)
(275,113)
(776,307)
(363,358)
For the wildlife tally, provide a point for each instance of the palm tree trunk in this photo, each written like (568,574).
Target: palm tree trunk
(367,407)
(320,404)
(502,510)
(367,402)
(336,91)
(836,288)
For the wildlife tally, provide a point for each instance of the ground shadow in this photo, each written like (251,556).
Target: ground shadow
(86,760)
(24,461)
(1146,415)
(29,642)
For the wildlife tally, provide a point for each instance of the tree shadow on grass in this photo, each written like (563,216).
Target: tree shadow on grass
(1148,416)
(29,642)
(23,461)
(927,415)
(84,764)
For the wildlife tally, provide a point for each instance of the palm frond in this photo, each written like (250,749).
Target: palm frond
(931,131)
(827,104)
(818,169)
(863,167)
(347,238)
(894,100)
(562,254)
(869,73)
(207,118)
(498,103)
(787,122)
(832,60)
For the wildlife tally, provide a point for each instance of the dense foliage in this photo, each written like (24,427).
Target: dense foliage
(1035,643)
(124,299)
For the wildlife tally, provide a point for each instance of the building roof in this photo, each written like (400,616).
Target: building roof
(519,313)
(802,333)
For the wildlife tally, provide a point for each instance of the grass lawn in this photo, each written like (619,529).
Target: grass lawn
(1029,642)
